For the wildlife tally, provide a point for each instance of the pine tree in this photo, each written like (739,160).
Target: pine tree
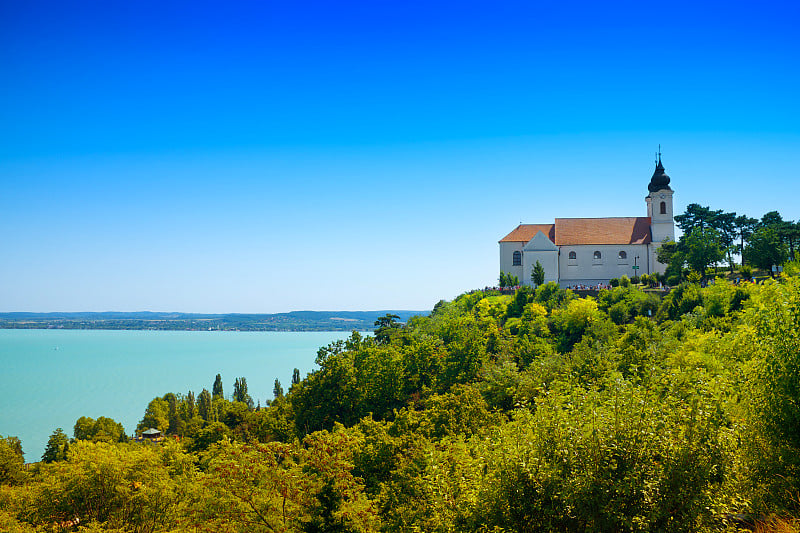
(537,275)
(296,376)
(57,447)
(277,390)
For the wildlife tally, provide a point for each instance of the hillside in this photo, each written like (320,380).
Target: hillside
(537,411)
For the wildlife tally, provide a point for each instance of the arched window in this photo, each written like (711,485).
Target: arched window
(622,254)
(517,259)
(597,255)
(573,255)
(663,208)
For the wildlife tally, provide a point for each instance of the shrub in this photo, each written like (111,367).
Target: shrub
(614,282)
(619,313)
(625,281)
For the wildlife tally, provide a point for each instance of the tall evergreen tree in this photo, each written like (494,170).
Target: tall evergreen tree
(296,376)
(537,275)
(204,405)
(172,413)
(216,391)
(277,390)
(190,405)
(744,229)
(696,216)
(57,447)
(240,392)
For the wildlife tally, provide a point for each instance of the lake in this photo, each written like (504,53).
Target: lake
(50,378)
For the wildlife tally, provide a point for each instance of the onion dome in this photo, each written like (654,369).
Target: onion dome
(660,180)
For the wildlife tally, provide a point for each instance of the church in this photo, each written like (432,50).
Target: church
(591,251)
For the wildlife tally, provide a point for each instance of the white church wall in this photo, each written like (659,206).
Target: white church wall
(507,250)
(548,260)
(586,267)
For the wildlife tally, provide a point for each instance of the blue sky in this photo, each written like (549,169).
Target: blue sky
(267,157)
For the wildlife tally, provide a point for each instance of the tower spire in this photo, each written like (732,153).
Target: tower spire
(660,179)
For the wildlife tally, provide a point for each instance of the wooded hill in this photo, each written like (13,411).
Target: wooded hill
(537,411)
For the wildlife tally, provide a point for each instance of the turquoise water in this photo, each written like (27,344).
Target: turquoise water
(50,378)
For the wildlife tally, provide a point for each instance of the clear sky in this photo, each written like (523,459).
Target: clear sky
(277,156)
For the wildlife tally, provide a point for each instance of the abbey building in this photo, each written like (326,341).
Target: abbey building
(588,251)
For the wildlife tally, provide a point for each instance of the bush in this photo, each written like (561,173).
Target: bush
(681,300)
(622,460)
(625,281)
(614,282)
(619,313)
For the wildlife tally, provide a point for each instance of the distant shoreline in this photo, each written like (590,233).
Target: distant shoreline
(154,321)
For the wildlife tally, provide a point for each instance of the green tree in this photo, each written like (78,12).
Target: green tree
(508,280)
(190,406)
(386,326)
(696,216)
(296,376)
(101,430)
(725,224)
(774,386)
(204,404)
(216,391)
(701,248)
(57,447)
(744,227)
(114,488)
(12,461)
(789,233)
(277,390)
(240,392)
(765,249)
(155,416)
(772,219)
(173,427)
(537,274)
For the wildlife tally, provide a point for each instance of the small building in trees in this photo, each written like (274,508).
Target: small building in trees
(150,435)
(589,251)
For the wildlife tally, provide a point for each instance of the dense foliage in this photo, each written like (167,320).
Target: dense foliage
(537,411)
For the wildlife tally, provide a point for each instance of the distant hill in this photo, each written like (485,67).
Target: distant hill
(292,321)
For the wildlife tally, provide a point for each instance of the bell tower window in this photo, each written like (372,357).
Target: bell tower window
(663,208)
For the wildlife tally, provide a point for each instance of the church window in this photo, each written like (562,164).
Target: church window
(517,260)
(663,208)
(623,255)
(597,256)
(573,256)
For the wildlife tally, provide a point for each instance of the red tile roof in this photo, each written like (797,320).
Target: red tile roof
(614,230)
(526,232)
(571,231)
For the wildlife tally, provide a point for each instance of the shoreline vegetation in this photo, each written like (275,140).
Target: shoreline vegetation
(533,411)
(146,320)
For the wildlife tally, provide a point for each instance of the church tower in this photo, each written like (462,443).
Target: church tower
(659,205)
